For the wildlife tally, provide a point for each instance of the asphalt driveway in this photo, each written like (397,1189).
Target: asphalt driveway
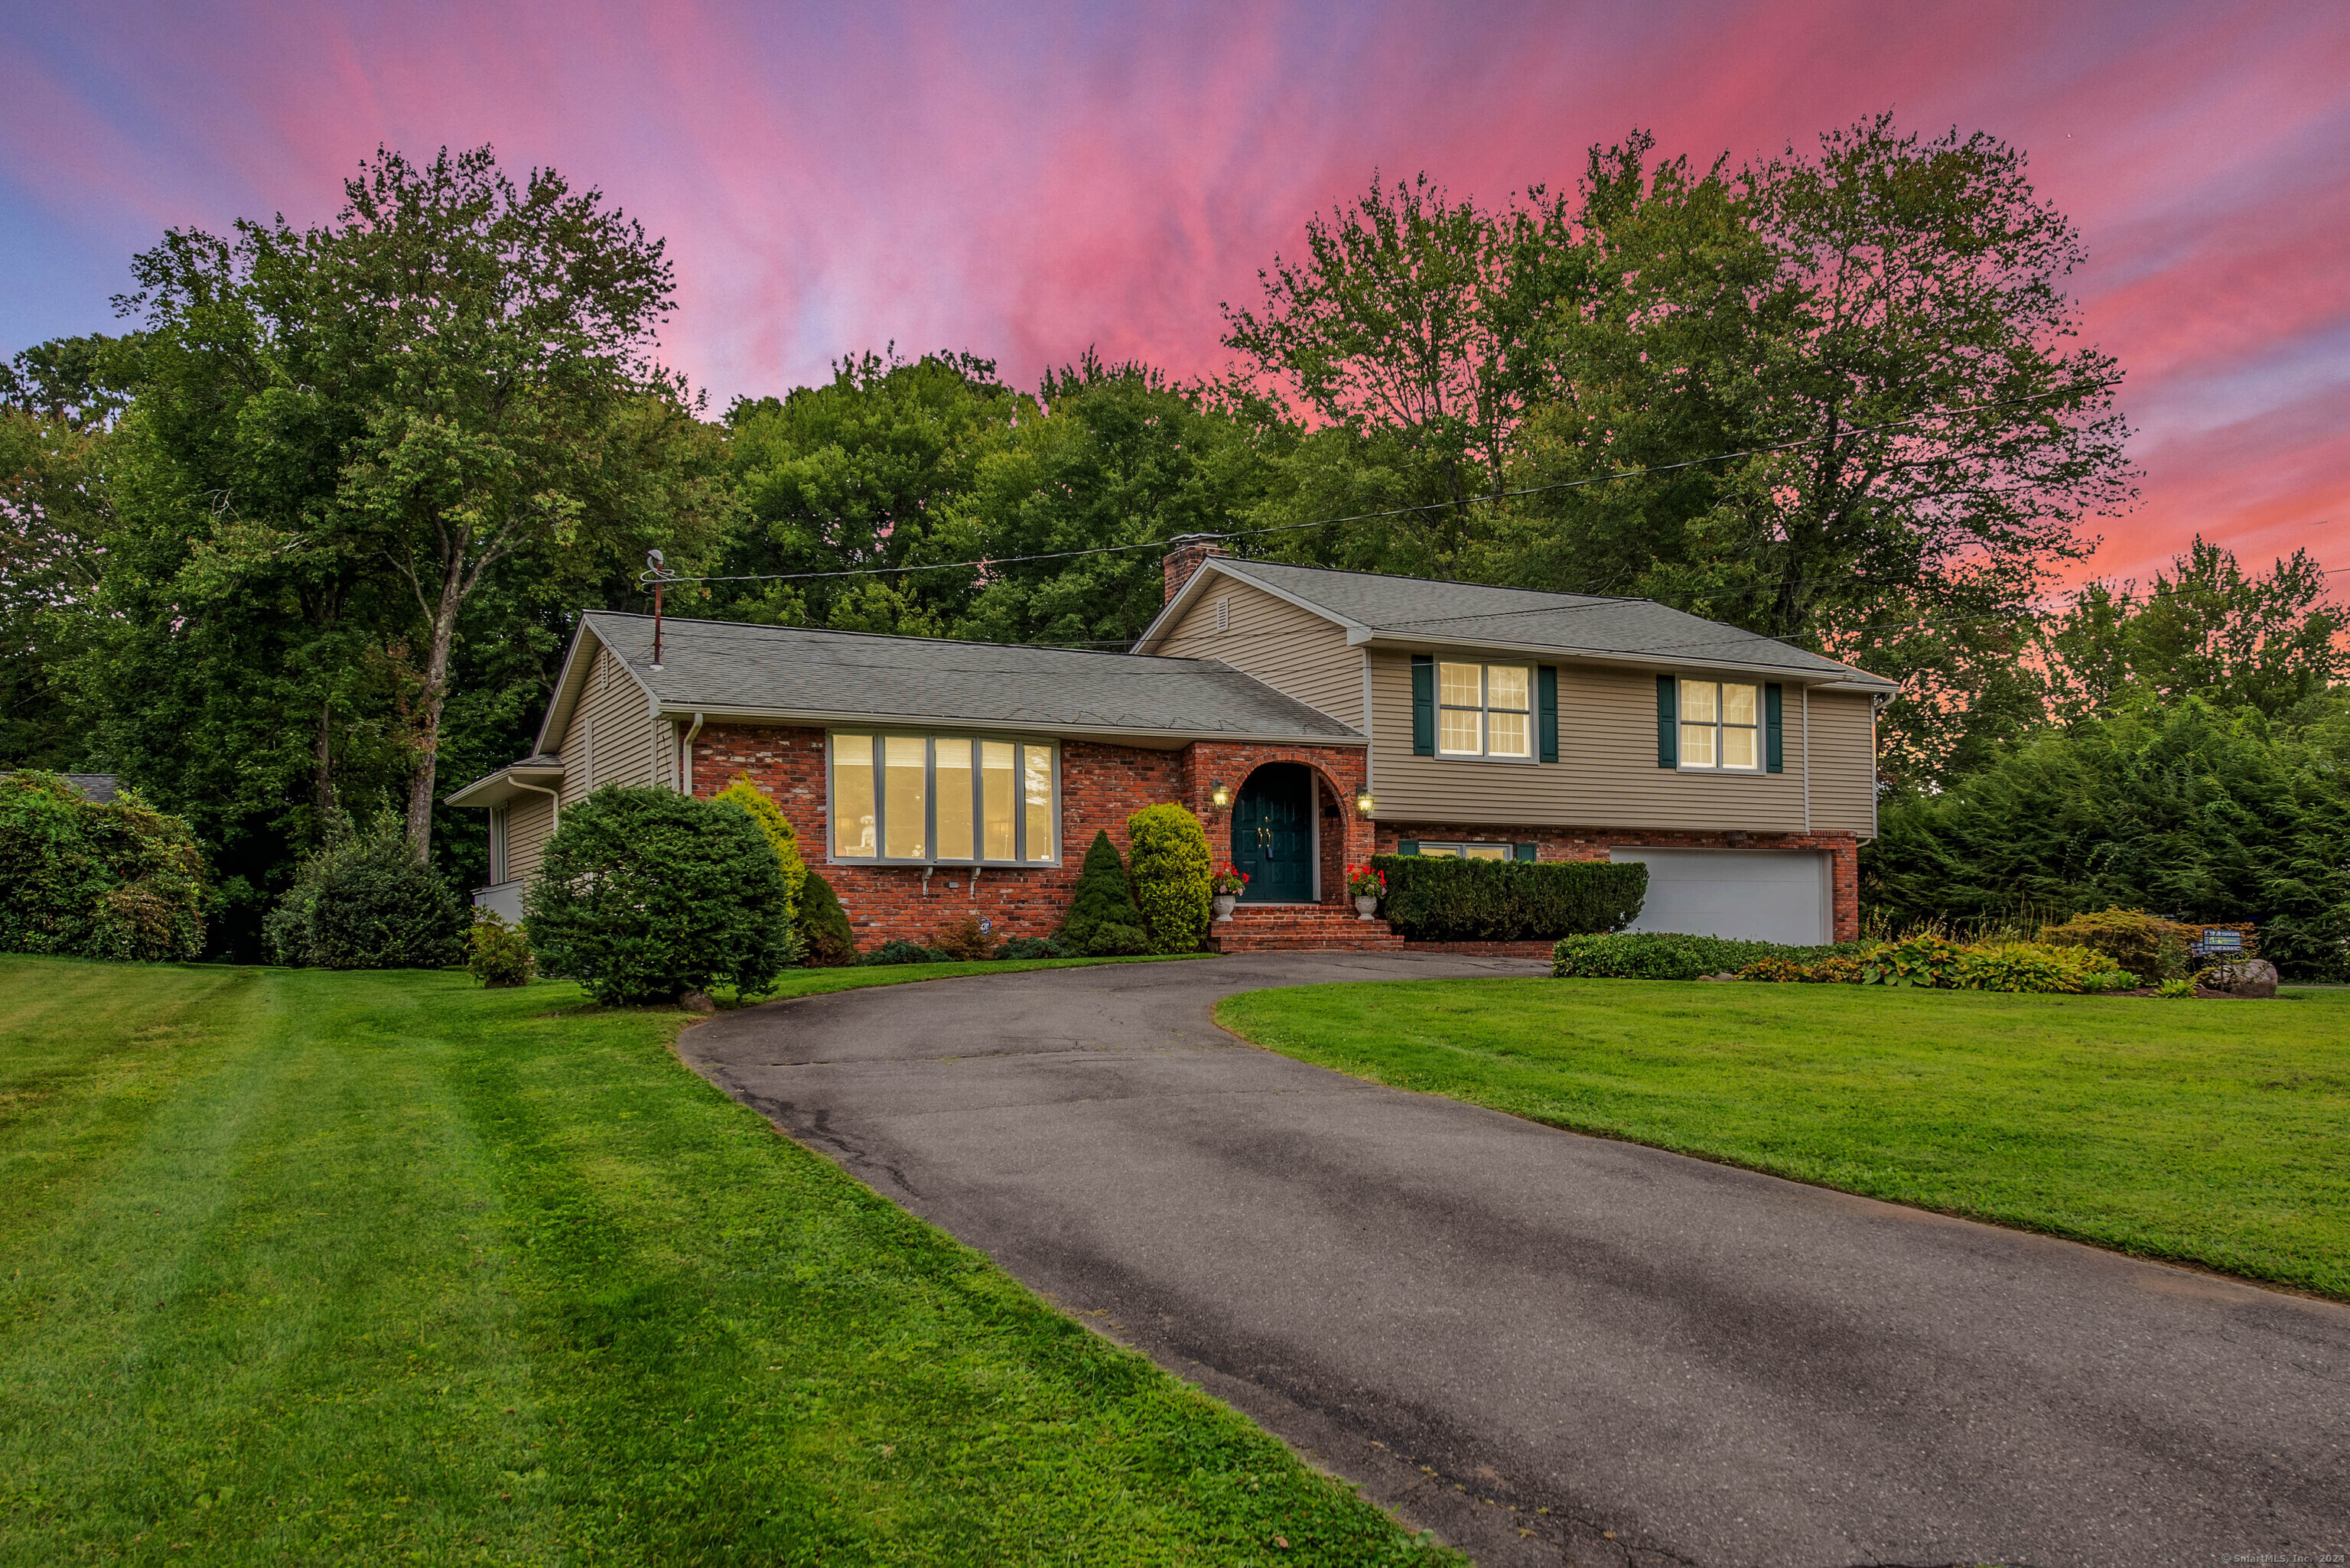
(1552,1348)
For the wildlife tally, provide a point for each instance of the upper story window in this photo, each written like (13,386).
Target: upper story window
(915,799)
(1484,709)
(1721,725)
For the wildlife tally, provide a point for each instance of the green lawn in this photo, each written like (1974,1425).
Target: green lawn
(303,1267)
(2207,1132)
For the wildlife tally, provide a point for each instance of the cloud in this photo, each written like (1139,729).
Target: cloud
(1027,181)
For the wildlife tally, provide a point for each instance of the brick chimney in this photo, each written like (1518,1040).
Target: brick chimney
(1184,554)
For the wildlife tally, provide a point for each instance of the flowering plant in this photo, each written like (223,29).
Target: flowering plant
(1366,882)
(1229,880)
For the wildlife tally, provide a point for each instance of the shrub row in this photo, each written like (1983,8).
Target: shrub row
(1440,900)
(85,879)
(1917,960)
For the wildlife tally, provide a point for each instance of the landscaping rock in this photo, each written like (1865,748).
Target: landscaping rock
(696,1002)
(2237,977)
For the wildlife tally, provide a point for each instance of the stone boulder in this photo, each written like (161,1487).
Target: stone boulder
(2237,977)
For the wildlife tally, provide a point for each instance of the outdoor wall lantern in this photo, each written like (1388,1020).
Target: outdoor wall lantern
(1364,803)
(1221,794)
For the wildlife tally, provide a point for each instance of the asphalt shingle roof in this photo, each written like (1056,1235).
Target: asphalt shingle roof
(1436,611)
(724,665)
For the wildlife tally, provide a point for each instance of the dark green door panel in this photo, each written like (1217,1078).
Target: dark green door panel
(1272,835)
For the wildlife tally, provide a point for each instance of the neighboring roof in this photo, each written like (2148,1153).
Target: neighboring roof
(99,787)
(727,668)
(1374,607)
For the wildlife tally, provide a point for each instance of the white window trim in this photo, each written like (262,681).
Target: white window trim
(1485,709)
(1761,724)
(931,803)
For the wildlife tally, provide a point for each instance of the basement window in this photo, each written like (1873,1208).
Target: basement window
(895,798)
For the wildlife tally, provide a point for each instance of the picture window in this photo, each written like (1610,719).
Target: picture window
(917,799)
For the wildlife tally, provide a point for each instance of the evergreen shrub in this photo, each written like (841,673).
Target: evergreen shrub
(1440,899)
(497,953)
(85,879)
(1172,874)
(1032,947)
(898,949)
(365,901)
(777,829)
(644,894)
(824,938)
(1102,921)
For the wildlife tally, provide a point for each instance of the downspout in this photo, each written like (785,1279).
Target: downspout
(685,768)
(1808,758)
(554,796)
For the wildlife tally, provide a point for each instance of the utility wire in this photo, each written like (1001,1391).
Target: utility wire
(648,579)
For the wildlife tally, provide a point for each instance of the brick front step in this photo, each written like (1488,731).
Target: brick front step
(1299,927)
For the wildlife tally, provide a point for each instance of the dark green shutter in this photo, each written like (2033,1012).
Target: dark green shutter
(1547,680)
(1423,705)
(1668,722)
(1774,735)
(1529,851)
(1407,846)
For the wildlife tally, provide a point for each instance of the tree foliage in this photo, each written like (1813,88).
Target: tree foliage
(95,879)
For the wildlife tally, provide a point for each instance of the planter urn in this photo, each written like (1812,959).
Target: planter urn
(1224,902)
(1365,908)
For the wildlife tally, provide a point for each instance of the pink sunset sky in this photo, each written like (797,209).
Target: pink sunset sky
(1025,183)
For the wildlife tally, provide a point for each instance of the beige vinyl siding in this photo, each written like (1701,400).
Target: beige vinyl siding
(611,737)
(1607,774)
(1844,761)
(1294,652)
(530,822)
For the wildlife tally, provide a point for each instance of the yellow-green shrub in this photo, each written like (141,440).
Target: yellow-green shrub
(1172,868)
(777,828)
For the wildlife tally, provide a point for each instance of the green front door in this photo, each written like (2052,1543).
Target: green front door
(1273,834)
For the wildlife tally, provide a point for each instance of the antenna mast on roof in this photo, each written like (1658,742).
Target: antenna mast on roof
(654,560)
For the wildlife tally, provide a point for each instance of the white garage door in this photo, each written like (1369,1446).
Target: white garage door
(1758,894)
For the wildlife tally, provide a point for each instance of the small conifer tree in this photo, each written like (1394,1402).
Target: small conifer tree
(825,940)
(1103,921)
(1171,876)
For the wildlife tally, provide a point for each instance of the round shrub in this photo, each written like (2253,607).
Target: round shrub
(497,953)
(1102,921)
(1172,873)
(365,901)
(962,939)
(2144,944)
(95,879)
(1032,947)
(645,894)
(898,949)
(823,936)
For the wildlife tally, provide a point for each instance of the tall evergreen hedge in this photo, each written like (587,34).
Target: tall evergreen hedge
(2187,811)
(1433,898)
(89,880)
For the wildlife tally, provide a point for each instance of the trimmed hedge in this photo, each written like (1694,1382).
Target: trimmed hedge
(1663,955)
(1434,899)
(84,879)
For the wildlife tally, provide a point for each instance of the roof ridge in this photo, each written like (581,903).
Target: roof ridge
(1439,582)
(674,620)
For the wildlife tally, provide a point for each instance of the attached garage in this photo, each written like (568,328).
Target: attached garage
(1756,895)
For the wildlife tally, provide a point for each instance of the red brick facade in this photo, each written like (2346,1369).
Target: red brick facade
(1101,785)
(1594,843)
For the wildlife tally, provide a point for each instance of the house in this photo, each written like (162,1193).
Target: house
(1309,718)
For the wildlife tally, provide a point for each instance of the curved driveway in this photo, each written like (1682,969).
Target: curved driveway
(1481,1318)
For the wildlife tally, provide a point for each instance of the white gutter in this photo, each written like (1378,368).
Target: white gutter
(685,767)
